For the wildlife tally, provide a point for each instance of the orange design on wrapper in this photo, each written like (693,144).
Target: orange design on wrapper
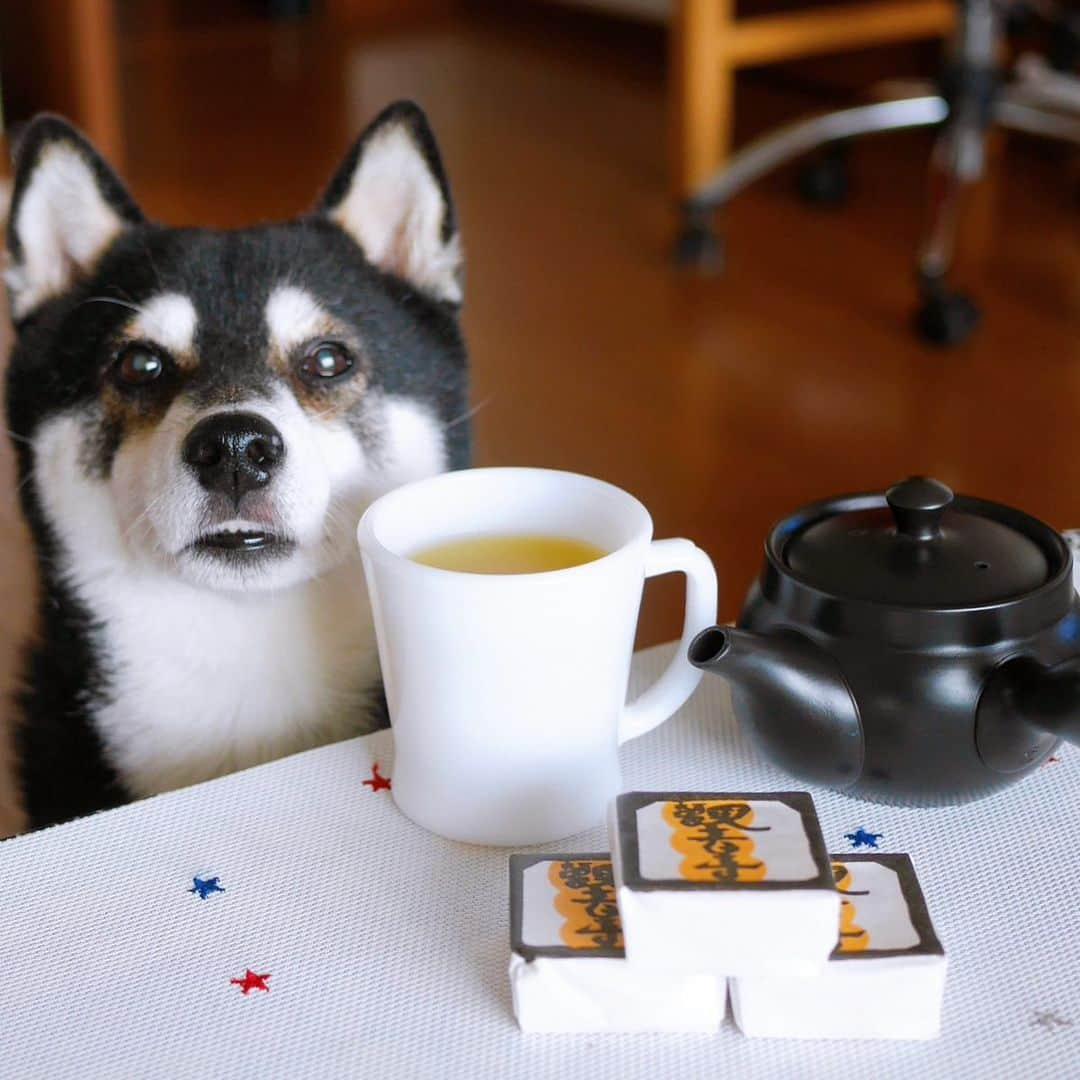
(714,837)
(853,938)
(585,898)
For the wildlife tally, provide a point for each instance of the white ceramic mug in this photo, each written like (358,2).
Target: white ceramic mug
(507,692)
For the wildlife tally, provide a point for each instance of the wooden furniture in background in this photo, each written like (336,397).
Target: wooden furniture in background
(368,11)
(61,56)
(709,43)
(92,39)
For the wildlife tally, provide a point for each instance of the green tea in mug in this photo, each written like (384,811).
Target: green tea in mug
(529,553)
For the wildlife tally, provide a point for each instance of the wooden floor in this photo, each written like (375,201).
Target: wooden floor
(722,403)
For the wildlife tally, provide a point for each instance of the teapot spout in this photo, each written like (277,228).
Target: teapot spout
(1024,710)
(793,698)
(1052,702)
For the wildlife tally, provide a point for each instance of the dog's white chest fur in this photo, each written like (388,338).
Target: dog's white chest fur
(201,684)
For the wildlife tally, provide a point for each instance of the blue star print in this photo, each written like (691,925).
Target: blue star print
(205,886)
(861,838)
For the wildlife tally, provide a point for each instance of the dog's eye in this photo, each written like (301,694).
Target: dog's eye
(138,365)
(325,361)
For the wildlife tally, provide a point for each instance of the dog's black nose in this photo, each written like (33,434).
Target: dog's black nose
(233,452)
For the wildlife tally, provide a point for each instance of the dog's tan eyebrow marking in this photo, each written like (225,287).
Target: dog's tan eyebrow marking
(168,319)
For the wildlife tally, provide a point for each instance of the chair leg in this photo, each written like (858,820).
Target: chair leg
(794,140)
(945,317)
(698,244)
(700,111)
(825,180)
(1034,119)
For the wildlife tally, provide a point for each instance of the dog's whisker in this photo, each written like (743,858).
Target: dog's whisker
(111,300)
(336,518)
(470,414)
(147,510)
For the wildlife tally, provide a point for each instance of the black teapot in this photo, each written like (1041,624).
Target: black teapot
(912,648)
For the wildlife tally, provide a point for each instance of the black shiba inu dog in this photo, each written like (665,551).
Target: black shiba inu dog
(199,418)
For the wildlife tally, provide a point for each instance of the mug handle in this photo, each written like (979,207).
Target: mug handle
(680,678)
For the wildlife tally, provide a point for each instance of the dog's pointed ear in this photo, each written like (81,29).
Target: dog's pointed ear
(67,207)
(391,196)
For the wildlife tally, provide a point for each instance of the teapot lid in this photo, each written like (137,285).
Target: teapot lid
(919,546)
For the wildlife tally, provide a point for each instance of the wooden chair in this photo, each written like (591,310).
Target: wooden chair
(972,98)
(709,44)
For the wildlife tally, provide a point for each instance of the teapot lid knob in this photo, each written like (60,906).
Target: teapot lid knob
(917,505)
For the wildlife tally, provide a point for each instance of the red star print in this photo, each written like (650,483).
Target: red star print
(377,782)
(251,981)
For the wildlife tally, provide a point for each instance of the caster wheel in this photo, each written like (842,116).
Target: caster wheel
(946,318)
(826,181)
(699,247)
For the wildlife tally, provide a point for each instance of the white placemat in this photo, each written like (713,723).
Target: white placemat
(386,948)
